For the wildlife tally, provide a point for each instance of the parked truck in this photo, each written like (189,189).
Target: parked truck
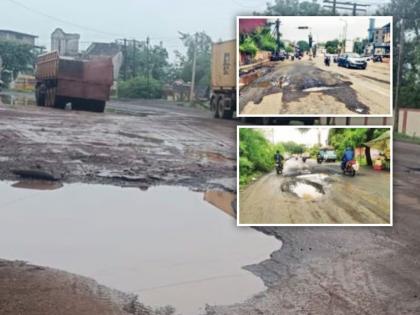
(223,79)
(223,87)
(85,84)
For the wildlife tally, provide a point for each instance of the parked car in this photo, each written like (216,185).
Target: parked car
(352,60)
(326,155)
(277,56)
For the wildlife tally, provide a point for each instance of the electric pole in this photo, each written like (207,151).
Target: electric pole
(148,65)
(192,96)
(125,60)
(134,58)
(399,66)
(278,34)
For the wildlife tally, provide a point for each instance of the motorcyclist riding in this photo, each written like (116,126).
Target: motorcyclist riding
(327,60)
(347,156)
(278,158)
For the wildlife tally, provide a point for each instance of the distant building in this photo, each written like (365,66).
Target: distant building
(113,50)
(379,41)
(65,43)
(18,37)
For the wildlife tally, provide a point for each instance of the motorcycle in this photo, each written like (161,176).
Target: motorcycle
(279,167)
(304,158)
(327,61)
(351,168)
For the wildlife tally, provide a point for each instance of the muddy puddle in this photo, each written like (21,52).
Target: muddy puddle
(17,99)
(167,244)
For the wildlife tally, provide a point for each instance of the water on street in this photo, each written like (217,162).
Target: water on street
(166,244)
(311,193)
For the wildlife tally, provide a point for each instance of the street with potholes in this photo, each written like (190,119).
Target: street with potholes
(309,87)
(316,270)
(311,193)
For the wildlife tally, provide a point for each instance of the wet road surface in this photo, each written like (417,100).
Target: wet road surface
(308,193)
(167,244)
(309,87)
(135,143)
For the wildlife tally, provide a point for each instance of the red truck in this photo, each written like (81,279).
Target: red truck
(61,80)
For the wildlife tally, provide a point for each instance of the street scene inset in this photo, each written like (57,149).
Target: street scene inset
(317,175)
(314,65)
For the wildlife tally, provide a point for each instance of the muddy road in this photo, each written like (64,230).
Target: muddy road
(132,144)
(349,270)
(309,193)
(308,87)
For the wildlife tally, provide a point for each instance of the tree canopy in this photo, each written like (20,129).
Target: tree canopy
(16,57)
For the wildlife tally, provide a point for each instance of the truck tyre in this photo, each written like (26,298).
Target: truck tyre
(213,107)
(222,113)
(40,95)
(99,106)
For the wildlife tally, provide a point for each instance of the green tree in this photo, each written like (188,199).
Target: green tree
(303,45)
(140,87)
(203,45)
(332,46)
(248,47)
(16,58)
(296,7)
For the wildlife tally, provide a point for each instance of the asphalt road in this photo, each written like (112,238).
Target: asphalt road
(309,87)
(308,193)
(347,271)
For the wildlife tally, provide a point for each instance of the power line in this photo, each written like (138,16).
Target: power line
(87,28)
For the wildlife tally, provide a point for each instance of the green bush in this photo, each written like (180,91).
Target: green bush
(256,154)
(248,47)
(140,87)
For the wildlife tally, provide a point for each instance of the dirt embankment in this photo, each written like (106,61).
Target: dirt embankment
(34,290)
(346,270)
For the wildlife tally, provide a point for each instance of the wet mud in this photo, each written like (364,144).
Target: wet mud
(169,145)
(297,81)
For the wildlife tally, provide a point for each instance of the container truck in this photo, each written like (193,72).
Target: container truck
(85,84)
(223,79)
(223,87)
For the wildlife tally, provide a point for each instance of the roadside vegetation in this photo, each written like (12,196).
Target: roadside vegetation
(256,154)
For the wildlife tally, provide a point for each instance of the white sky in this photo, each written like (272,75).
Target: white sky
(161,20)
(284,134)
(327,27)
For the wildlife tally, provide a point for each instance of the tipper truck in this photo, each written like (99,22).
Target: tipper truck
(223,79)
(85,84)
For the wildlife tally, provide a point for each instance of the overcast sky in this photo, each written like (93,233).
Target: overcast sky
(106,21)
(284,134)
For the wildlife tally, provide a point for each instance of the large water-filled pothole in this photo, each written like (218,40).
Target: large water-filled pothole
(166,244)
(308,187)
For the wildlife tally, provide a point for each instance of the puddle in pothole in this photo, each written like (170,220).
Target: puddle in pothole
(166,244)
(319,88)
(308,186)
(18,99)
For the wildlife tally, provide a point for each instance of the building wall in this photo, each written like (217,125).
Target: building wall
(66,44)
(17,37)
(409,121)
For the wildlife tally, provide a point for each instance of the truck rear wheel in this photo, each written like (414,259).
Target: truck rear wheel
(213,107)
(99,106)
(222,113)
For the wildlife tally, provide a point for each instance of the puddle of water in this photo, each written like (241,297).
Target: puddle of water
(10,99)
(167,244)
(305,191)
(319,88)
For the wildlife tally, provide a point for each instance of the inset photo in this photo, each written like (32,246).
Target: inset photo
(314,66)
(314,175)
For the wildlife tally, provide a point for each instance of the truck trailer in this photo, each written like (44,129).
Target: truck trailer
(85,84)
(223,79)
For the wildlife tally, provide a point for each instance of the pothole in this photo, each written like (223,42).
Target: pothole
(308,187)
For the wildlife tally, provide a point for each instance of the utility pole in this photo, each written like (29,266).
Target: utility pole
(278,34)
(134,58)
(399,66)
(192,96)
(148,65)
(125,60)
